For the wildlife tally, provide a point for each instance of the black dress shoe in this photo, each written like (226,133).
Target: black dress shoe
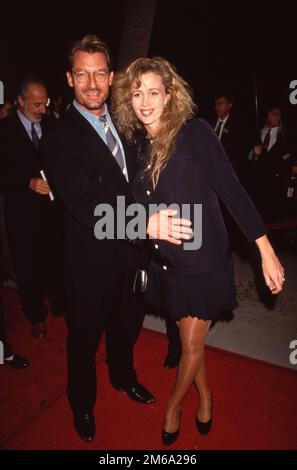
(18,362)
(169,438)
(171,361)
(85,425)
(138,392)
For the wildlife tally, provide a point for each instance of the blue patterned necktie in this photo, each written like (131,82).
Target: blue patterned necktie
(112,143)
(35,138)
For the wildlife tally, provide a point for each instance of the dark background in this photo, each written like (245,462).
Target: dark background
(214,47)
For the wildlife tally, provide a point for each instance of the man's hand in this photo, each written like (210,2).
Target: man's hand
(164,226)
(258,150)
(39,186)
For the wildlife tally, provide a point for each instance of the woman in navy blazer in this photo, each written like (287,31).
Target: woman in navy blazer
(184,164)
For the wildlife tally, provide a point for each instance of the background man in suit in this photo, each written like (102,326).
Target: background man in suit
(89,165)
(230,132)
(272,165)
(30,216)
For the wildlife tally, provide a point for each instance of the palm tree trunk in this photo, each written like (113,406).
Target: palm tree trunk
(136,35)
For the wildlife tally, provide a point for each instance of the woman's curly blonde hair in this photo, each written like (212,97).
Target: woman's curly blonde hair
(179,108)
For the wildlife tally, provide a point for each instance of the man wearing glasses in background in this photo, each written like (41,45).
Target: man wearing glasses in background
(31,218)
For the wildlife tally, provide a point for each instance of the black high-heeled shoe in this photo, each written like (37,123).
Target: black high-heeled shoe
(169,438)
(204,427)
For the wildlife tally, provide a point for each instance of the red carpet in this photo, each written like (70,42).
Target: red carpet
(254,402)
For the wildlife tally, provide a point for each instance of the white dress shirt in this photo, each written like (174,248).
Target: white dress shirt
(274,131)
(223,121)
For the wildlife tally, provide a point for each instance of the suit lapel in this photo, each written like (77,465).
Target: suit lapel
(131,160)
(22,132)
(93,142)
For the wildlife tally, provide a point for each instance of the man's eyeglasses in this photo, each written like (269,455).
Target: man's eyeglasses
(83,76)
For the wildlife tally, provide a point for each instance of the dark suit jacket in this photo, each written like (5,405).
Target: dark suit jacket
(198,172)
(19,162)
(278,161)
(270,177)
(85,174)
(234,140)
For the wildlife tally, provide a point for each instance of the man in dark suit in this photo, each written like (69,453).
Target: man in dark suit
(31,217)
(99,273)
(234,136)
(273,161)
(230,132)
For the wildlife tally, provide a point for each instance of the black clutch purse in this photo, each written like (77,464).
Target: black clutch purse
(140,281)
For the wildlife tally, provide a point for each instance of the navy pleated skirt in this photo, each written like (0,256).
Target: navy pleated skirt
(198,295)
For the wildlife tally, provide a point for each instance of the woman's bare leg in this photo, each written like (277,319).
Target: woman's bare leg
(193,332)
(204,411)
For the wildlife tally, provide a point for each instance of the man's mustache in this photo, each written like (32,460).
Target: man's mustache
(86,90)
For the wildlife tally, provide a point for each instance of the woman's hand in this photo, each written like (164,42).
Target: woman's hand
(273,271)
(164,226)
